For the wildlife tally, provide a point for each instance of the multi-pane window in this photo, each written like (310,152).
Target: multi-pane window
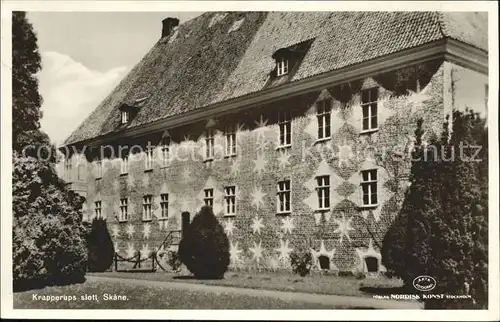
(209,144)
(98,166)
(282,66)
(147,202)
(124,164)
(369,187)
(369,100)
(323,112)
(284,196)
(165,151)
(67,169)
(164,205)
(285,124)
(98,209)
(124,117)
(230,200)
(323,191)
(209,197)
(230,135)
(123,209)
(149,158)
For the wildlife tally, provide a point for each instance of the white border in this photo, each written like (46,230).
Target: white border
(7,6)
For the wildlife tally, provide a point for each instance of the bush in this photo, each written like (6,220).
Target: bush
(48,238)
(174,261)
(301,262)
(100,247)
(204,247)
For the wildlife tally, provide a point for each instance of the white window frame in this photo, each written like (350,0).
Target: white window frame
(284,197)
(125,117)
(324,116)
(369,183)
(323,192)
(281,66)
(123,215)
(148,160)
(98,165)
(164,205)
(98,209)
(367,110)
(230,140)
(285,129)
(165,151)
(147,207)
(230,200)
(209,144)
(209,197)
(124,164)
(68,168)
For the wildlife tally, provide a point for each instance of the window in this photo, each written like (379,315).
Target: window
(282,66)
(165,151)
(146,207)
(123,209)
(323,110)
(285,124)
(284,196)
(369,100)
(98,209)
(209,144)
(124,164)
(67,169)
(369,187)
(323,190)
(230,140)
(164,205)
(209,197)
(149,158)
(125,117)
(230,200)
(98,165)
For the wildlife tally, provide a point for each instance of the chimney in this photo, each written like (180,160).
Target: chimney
(168,25)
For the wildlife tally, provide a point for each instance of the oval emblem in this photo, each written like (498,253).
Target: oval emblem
(424,283)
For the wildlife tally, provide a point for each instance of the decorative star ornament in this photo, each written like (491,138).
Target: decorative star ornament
(284,251)
(287,224)
(130,230)
(323,252)
(344,154)
(116,231)
(261,142)
(186,174)
(257,224)
(259,163)
(145,180)
(257,251)
(116,186)
(257,197)
(284,159)
(344,227)
(130,250)
(162,224)
(145,251)
(261,123)
(146,230)
(130,179)
(229,227)
(235,166)
(234,253)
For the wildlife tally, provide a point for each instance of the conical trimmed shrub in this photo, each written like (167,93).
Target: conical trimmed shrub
(100,247)
(204,247)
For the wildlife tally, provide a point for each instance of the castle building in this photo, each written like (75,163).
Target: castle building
(295,127)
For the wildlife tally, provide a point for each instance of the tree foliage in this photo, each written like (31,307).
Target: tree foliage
(204,247)
(100,247)
(442,228)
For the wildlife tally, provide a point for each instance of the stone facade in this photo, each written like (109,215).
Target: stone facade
(261,237)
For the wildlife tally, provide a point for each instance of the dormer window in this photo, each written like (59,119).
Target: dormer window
(282,66)
(125,117)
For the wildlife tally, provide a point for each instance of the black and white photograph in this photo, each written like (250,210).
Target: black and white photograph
(315,158)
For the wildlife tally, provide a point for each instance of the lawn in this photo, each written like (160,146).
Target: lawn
(146,297)
(282,281)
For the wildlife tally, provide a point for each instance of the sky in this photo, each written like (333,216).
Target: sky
(85,55)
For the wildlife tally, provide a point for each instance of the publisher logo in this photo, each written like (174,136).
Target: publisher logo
(424,283)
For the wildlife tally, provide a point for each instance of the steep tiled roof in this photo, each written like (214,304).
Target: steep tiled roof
(212,58)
